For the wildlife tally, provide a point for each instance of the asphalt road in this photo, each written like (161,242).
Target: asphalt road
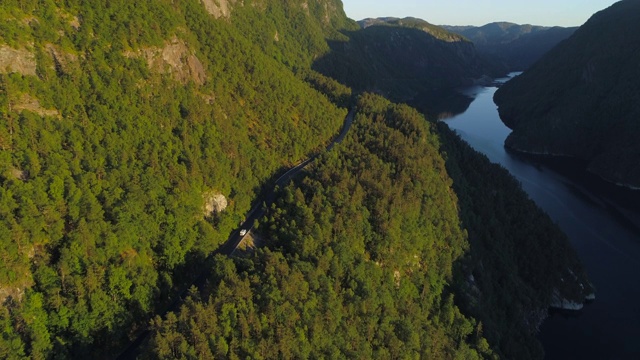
(258,210)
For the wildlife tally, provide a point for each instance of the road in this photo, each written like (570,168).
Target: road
(258,210)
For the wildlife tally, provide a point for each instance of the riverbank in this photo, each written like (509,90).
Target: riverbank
(602,223)
(620,199)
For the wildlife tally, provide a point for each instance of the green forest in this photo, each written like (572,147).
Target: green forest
(102,201)
(517,256)
(587,98)
(360,254)
(122,122)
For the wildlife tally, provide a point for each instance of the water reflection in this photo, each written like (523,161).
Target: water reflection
(603,224)
(443,104)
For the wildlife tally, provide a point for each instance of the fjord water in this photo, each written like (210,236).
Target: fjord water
(601,221)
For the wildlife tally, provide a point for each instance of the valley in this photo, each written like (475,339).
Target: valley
(601,223)
(140,142)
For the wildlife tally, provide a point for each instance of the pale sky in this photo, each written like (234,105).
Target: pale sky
(480,12)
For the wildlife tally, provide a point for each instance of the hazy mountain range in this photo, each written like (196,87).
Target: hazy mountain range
(582,98)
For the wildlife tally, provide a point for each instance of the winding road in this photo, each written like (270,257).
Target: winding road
(258,210)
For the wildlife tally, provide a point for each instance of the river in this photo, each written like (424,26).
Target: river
(602,222)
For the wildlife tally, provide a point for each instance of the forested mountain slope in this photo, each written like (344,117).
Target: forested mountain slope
(119,122)
(404,58)
(360,252)
(515,46)
(518,259)
(583,98)
(136,135)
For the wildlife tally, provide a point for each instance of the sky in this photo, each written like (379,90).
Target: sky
(480,12)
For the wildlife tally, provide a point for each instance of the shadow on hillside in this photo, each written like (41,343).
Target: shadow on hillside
(406,65)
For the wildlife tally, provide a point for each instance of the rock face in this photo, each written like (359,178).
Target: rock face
(17,61)
(582,99)
(572,291)
(560,303)
(219,8)
(15,294)
(214,203)
(62,60)
(29,103)
(176,59)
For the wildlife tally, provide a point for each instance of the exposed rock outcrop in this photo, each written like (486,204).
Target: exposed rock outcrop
(573,291)
(214,203)
(175,59)
(19,174)
(29,103)
(559,302)
(219,8)
(62,60)
(19,61)
(10,293)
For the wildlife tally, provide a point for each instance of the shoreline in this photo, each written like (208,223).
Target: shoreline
(584,164)
(624,200)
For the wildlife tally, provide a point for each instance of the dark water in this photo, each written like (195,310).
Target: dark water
(603,224)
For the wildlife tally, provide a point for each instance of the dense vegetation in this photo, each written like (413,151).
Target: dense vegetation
(121,119)
(293,32)
(404,60)
(583,98)
(515,46)
(518,256)
(360,254)
(372,246)
(101,199)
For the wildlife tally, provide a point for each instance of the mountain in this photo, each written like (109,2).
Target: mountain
(515,46)
(414,23)
(582,99)
(494,33)
(403,58)
(136,136)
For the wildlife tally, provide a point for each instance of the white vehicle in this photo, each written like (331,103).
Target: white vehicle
(243,232)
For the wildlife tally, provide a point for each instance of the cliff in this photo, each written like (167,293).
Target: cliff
(582,98)
(402,58)
(515,46)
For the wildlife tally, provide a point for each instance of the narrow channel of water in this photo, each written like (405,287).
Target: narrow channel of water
(602,223)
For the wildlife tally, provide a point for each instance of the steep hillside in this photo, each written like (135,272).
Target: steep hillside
(293,32)
(518,260)
(583,98)
(135,136)
(404,58)
(120,122)
(360,252)
(515,46)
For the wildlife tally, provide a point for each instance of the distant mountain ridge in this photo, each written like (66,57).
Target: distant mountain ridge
(136,136)
(516,46)
(583,98)
(415,23)
(495,32)
(404,57)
